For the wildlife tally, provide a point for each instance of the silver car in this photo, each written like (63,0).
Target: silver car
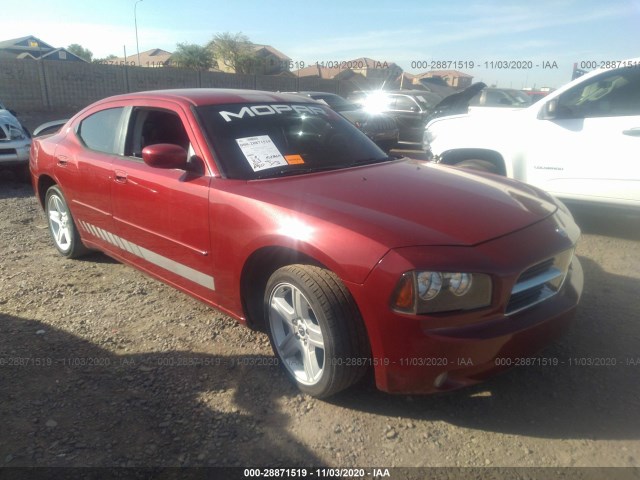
(15,142)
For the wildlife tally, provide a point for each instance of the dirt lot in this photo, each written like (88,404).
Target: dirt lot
(103,366)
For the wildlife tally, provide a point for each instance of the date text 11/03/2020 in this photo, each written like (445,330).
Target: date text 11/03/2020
(316,472)
(268,361)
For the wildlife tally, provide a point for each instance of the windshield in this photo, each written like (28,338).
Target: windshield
(428,100)
(261,140)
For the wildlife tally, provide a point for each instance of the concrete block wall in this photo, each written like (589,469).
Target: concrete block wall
(27,85)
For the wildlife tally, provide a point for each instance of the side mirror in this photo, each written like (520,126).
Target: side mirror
(549,110)
(165,155)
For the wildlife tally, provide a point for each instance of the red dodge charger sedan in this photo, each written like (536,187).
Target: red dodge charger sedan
(285,216)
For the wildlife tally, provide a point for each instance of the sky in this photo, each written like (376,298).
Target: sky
(542,39)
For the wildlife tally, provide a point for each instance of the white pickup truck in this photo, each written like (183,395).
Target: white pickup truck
(581,142)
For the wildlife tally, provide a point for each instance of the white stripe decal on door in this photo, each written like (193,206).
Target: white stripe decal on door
(150,256)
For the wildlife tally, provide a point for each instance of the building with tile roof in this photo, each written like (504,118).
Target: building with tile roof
(32,48)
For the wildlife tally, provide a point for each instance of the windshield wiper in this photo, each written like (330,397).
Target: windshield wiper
(286,172)
(371,160)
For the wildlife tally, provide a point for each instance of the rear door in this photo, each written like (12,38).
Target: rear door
(161,216)
(84,170)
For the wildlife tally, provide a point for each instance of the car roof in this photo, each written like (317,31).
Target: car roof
(318,93)
(210,96)
(406,92)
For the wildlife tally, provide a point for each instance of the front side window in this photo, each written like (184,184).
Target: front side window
(253,141)
(615,93)
(101,130)
(150,126)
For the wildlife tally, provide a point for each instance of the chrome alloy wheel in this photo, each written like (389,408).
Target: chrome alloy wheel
(59,222)
(297,335)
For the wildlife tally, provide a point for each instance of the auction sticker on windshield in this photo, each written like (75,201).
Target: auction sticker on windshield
(261,152)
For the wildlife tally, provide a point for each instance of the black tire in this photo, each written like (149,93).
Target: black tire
(479,165)
(62,227)
(315,303)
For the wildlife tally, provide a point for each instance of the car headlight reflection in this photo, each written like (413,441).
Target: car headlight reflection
(432,292)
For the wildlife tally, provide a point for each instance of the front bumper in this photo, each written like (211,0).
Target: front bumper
(415,354)
(14,153)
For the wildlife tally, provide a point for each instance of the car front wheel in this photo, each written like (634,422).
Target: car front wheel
(315,329)
(61,225)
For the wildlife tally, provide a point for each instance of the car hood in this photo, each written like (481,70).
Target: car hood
(9,122)
(458,102)
(8,118)
(485,122)
(410,203)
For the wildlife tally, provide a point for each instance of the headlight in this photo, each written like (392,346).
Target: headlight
(431,292)
(16,133)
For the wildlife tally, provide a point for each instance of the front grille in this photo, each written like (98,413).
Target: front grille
(539,282)
(380,124)
(536,270)
(8,151)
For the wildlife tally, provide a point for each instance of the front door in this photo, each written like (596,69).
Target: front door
(161,216)
(592,147)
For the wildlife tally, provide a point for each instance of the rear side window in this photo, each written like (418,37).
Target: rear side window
(404,104)
(101,131)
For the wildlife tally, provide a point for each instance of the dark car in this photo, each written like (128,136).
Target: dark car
(379,127)
(409,108)
(479,95)
(279,212)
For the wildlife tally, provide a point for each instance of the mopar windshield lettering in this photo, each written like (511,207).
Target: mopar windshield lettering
(260,110)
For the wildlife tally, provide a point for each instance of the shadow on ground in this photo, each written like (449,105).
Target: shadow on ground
(609,222)
(68,402)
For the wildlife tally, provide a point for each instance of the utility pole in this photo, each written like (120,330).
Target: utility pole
(135,22)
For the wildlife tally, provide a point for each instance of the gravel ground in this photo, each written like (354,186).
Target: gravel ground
(103,366)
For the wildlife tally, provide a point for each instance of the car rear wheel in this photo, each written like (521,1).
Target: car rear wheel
(315,329)
(479,165)
(61,225)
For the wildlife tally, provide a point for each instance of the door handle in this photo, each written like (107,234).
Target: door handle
(120,176)
(632,132)
(62,160)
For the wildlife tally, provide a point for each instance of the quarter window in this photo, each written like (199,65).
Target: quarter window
(100,131)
